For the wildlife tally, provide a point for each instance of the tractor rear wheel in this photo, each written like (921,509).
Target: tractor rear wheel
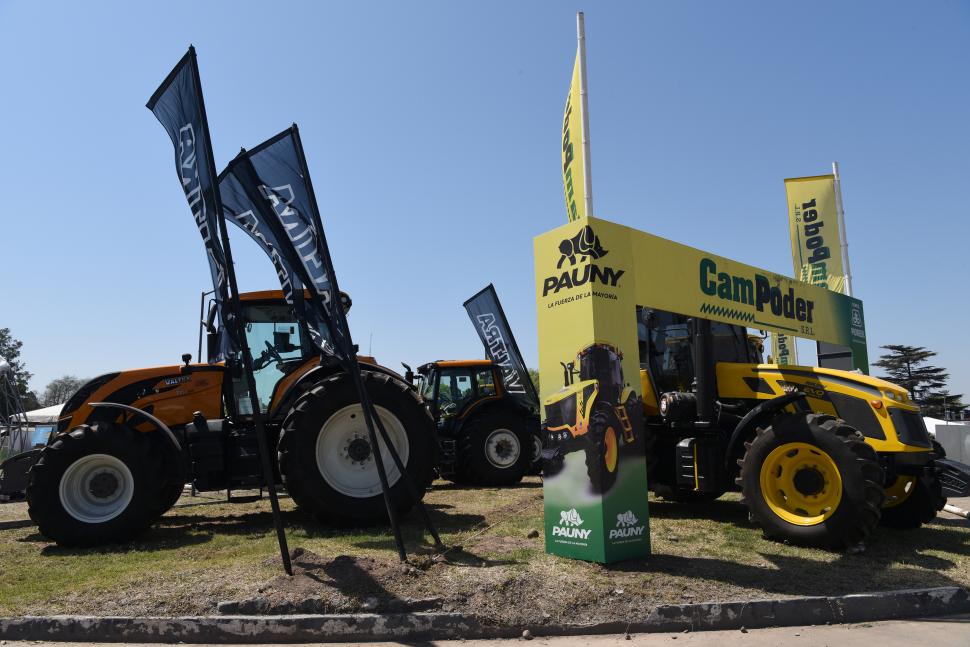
(603,452)
(812,479)
(494,450)
(326,459)
(94,485)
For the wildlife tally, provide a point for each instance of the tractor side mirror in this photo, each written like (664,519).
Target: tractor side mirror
(281,341)
(408,373)
(212,344)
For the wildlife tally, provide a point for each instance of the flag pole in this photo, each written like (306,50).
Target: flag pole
(840,214)
(587,161)
(262,443)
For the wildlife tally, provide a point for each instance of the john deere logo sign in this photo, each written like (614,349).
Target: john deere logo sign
(585,245)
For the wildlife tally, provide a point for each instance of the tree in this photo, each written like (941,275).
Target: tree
(906,366)
(944,405)
(10,351)
(534,375)
(60,390)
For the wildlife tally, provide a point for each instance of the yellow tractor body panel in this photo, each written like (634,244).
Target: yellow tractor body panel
(768,381)
(582,395)
(649,394)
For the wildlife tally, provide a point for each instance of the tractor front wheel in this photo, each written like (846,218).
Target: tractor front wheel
(603,452)
(94,485)
(812,479)
(911,501)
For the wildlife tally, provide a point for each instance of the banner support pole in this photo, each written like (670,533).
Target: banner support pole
(840,214)
(267,468)
(370,412)
(587,161)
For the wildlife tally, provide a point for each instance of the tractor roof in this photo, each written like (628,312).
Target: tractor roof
(454,363)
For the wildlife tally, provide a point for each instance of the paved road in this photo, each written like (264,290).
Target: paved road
(939,632)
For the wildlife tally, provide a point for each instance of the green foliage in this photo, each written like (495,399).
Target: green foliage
(60,390)
(534,374)
(10,351)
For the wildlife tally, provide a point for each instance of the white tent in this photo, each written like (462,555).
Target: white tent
(47,415)
(953,435)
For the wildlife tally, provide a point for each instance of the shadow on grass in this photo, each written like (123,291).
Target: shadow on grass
(449,486)
(893,558)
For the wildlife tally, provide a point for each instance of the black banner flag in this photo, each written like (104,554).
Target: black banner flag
(177,104)
(264,192)
(491,325)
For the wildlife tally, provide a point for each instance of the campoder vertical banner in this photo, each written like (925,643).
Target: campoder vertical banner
(814,226)
(573,154)
(177,104)
(783,349)
(493,328)
(264,192)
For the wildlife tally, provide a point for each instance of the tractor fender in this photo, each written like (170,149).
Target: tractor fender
(282,404)
(161,426)
(750,421)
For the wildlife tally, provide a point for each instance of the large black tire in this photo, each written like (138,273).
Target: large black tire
(340,496)
(172,473)
(106,505)
(602,453)
(921,504)
(495,450)
(850,517)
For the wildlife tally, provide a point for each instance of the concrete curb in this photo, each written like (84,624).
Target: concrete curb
(865,607)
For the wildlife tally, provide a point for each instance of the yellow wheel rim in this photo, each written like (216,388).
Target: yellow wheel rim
(899,491)
(611,452)
(801,484)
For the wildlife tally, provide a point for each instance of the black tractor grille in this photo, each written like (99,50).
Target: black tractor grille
(858,413)
(562,413)
(910,427)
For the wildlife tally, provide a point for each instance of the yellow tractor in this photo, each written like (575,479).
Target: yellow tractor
(596,414)
(127,442)
(821,456)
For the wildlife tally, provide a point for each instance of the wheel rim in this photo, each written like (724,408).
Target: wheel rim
(502,448)
(96,488)
(536,448)
(801,484)
(899,491)
(611,453)
(344,455)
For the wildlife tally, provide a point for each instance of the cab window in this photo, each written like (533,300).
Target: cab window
(277,342)
(486,382)
(455,391)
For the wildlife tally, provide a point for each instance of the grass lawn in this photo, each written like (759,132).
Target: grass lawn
(205,551)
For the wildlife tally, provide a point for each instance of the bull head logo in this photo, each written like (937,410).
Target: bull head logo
(584,243)
(570,518)
(626,519)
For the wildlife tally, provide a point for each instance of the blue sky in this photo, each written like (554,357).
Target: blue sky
(432,134)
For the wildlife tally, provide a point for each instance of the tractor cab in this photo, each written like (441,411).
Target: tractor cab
(667,351)
(452,389)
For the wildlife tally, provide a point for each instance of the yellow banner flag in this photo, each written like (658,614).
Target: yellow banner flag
(813,221)
(573,161)
(783,349)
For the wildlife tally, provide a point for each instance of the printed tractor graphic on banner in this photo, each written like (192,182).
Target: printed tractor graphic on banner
(597,414)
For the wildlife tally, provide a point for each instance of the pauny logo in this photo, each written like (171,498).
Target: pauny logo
(499,350)
(586,246)
(585,243)
(626,526)
(569,526)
